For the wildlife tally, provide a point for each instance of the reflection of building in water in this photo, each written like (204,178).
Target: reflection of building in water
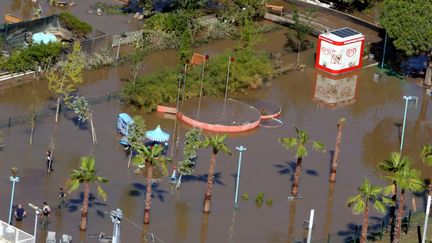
(335,91)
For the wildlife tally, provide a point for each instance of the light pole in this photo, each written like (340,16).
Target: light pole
(426,219)
(116,217)
(230,59)
(407,99)
(240,149)
(311,219)
(13,179)
(384,51)
(206,57)
(37,212)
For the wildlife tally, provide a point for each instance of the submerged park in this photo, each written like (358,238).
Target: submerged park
(215,121)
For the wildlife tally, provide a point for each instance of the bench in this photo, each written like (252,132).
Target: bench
(275,8)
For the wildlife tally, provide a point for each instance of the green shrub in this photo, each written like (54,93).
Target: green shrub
(245,196)
(248,71)
(269,202)
(36,55)
(260,198)
(76,26)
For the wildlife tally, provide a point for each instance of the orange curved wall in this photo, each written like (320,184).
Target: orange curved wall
(218,128)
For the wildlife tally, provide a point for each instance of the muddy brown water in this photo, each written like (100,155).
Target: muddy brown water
(176,216)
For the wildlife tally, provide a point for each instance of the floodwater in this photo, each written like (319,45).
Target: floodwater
(372,132)
(111,24)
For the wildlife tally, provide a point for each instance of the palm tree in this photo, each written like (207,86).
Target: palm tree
(340,127)
(392,165)
(299,143)
(360,203)
(149,158)
(407,179)
(426,156)
(86,175)
(217,144)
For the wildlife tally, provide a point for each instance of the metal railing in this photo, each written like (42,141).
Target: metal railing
(11,234)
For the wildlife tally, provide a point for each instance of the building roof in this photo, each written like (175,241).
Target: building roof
(343,34)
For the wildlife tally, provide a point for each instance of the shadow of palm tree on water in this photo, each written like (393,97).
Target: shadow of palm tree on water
(75,204)
(139,189)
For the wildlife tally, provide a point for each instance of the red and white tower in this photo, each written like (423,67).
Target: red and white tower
(340,51)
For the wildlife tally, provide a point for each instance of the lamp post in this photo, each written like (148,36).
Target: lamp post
(384,51)
(426,219)
(310,226)
(206,57)
(116,217)
(37,212)
(230,59)
(240,149)
(407,99)
(13,179)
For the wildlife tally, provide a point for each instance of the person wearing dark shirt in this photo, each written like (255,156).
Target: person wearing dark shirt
(20,213)
(61,198)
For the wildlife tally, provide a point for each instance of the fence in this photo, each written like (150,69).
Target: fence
(10,234)
(96,41)
(49,111)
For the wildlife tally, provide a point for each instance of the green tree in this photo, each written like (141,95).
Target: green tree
(81,107)
(249,35)
(408,180)
(393,165)
(216,143)
(360,203)
(340,127)
(86,175)
(190,5)
(135,136)
(299,31)
(426,157)
(299,144)
(62,81)
(409,24)
(149,158)
(187,164)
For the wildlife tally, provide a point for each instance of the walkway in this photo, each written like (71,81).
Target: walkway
(322,20)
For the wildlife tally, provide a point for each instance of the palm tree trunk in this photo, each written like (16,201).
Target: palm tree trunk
(335,161)
(209,185)
(297,174)
(83,225)
(365,224)
(204,228)
(291,222)
(148,194)
(400,214)
(393,207)
(329,211)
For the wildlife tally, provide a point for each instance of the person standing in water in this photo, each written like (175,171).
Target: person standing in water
(49,161)
(46,210)
(61,198)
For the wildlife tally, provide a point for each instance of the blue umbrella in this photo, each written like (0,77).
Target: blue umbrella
(157,135)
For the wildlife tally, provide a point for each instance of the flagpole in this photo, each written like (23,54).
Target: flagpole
(202,82)
(226,83)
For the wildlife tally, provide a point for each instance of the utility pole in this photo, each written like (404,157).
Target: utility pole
(241,149)
(116,217)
